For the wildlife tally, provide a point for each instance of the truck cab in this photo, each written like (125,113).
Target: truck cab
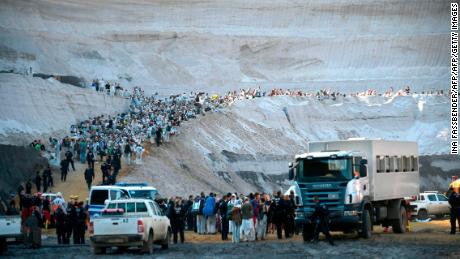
(332,177)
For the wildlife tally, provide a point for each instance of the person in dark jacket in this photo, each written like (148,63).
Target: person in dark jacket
(81,223)
(64,169)
(158,134)
(28,187)
(89,176)
(60,217)
(176,215)
(454,201)
(321,220)
(70,220)
(38,181)
(90,158)
(189,216)
(278,208)
(223,214)
(69,158)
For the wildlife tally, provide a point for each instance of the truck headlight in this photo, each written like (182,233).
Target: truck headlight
(350,213)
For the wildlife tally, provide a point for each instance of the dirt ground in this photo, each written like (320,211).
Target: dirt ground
(425,240)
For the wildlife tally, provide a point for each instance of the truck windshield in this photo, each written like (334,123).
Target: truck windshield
(324,169)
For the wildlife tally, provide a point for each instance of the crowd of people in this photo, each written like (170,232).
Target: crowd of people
(245,218)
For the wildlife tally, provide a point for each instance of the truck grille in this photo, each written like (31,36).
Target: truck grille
(333,198)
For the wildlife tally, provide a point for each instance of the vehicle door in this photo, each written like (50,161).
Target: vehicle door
(157,231)
(432,204)
(443,202)
(360,165)
(162,219)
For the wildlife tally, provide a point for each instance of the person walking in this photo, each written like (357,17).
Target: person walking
(69,157)
(321,220)
(64,169)
(90,158)
(89,176)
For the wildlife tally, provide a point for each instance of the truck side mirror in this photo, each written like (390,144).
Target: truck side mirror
(362,170)
(291,173)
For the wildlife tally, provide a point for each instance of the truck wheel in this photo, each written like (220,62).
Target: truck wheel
(422,214)
(399,225)
(99,250)
(165,244)
(366,226)
(148,245)
(307,232)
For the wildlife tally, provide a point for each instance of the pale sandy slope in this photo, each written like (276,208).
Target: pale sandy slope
(175,46)
(33,108)
(249,146)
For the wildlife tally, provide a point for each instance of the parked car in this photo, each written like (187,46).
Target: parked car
(10,230)
(130,223)
(430,204)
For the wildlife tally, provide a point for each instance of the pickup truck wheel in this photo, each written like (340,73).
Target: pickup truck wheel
(308,232)
(422,214)
(99,250)
(399,225)
(165,244)
(366,226)
(148,245)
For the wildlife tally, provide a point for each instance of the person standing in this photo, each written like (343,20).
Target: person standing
(81,223)
(237,221)
(38,181)
(223,215)
(321,220)
(60,217)
(454,202)
(47,179)
(247,227)
(200,217)
(176,214)
(210,213)
(127,152)
(28,187)
(262,220)
(89,176)
(278,214)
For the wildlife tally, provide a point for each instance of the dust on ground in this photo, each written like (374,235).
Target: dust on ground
(426,240)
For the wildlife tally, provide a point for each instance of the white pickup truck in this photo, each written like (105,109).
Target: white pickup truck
(10,229)
(130,223)
(430,203)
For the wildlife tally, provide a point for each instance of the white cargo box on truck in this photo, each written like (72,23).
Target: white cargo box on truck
(392,165)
